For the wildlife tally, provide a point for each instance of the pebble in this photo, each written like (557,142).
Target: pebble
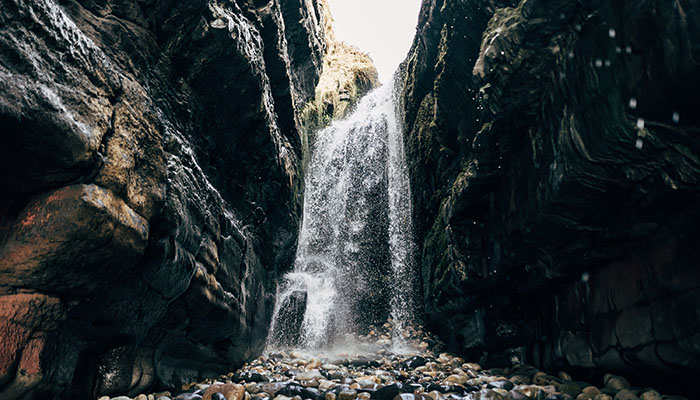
(381,374)
(616,382)
(347,395)
(625,394)
(651,395)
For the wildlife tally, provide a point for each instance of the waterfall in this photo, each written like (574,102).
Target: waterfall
(354,261)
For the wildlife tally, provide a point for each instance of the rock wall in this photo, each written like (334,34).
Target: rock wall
(149,156)
(555,161)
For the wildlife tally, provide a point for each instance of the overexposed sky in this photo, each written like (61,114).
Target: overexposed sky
(382,28)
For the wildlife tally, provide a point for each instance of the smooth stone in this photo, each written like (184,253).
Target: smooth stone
(121,398)
(252,388)
(330,396)
(564,376)
(520,379)
(364,396)
(231,391)
(625,394)
(273,388)
(651,395)
(569,388)
(435,395)
(415,362)
(558,396)
(486,394)
(309,375)
(163,398)
(141,397)
(325,384)
(347,395)
(188,396)
(616,382)
(475,367)
(104,398)
(388,392)
(603,396)
(458,379)
(310,383)
(591,391)
(330,367)
(501,384)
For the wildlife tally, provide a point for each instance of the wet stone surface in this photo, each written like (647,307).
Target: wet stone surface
(374,369)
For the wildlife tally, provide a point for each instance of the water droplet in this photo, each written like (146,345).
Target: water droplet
(571,54)
(607,63)
(611,33)
(618,49)
(598,62)
(628,49)
(633,103)
(640,123)
(585,277)
(562,75)
(639,144)
(676,117)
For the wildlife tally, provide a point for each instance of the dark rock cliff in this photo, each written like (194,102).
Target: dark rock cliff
(149,156)
(554,149)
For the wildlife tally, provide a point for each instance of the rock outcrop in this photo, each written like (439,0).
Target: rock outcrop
(555,161)
(348,74)
(149,156)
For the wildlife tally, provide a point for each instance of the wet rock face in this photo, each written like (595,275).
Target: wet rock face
(554,152)
(149,177)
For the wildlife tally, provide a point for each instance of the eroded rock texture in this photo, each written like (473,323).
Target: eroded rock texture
(555,159)
(149,155)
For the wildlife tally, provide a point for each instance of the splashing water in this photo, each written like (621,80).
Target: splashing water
(354,265)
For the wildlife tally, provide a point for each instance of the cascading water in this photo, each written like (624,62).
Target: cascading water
(354,262)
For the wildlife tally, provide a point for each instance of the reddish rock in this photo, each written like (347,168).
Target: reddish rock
(232,391)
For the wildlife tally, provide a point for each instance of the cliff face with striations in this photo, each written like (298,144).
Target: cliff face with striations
(149,156)
(555,160)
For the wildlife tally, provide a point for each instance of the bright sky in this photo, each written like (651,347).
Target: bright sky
(382,28)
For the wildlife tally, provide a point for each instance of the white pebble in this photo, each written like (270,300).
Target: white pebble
(676,117)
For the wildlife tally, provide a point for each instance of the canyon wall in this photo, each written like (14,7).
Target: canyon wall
(149,171)
(555,160)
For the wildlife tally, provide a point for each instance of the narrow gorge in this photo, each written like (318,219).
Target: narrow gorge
(219,199)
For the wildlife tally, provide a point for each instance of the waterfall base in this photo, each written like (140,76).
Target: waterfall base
(369,368)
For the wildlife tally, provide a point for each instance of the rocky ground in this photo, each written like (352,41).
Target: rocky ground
(375,370)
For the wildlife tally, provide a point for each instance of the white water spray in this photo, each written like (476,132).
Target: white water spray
(354,261)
